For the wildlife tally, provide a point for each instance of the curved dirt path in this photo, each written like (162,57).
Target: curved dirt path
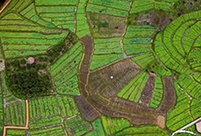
(116,107)
(16,127)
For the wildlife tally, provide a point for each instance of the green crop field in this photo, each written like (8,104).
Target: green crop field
(100,68)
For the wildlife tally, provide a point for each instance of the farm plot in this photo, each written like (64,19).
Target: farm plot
(21,38)
(29,12)
(178,43)
(16,5)
(143,130)
(195,108)
(132,91)
(43,107)
(107,20)
(105,52)
(46,126)
(82,27)
(15,114)
(47,113)
(65,70)
(113,7)
(76,126)
(190,85)
(52,131)
(157,93)
(180,114)
(110,80)
(148,5)
(137,43)
(67,106)
(98,129)
(15,132)
(7,95)
(60,13)
(113,125)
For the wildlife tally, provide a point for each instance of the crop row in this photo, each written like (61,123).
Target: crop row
(195,109)
(54,130)
(180,114)
(177,41)
(137,42)
(105,53)
(16,5)
(117,8)
(107,20)
(76,126)
(62,14)
(190,85)
(67,106)
(30,13)
(142,130)
(82,26)
(43,107)
(65,71)
(15,114)
(8,96)
(147,5)
(132,91)
(157,93)
(112,125)
(15,132)
(22,38)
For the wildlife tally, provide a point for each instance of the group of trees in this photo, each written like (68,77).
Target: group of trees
(25,81)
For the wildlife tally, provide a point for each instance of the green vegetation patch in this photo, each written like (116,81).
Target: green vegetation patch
(58,50)
(133,90)
(65,70)
(180,114)
(15,132)
(157,94)
(195,109)
(143,130)
(67,106)
(112,125)
(28,77)
(190,85)
(98,129)
(77,126)
(105,52)
(12,114)
(137,43)
(43,107)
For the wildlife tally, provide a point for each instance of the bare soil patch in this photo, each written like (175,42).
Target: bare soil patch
(198,126)
(86,110)
(122,72)
(169,96)
(161,121)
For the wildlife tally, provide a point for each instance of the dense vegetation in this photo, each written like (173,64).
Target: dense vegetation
(28,80)
(56,51)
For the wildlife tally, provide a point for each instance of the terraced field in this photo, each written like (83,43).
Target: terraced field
(100,67)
